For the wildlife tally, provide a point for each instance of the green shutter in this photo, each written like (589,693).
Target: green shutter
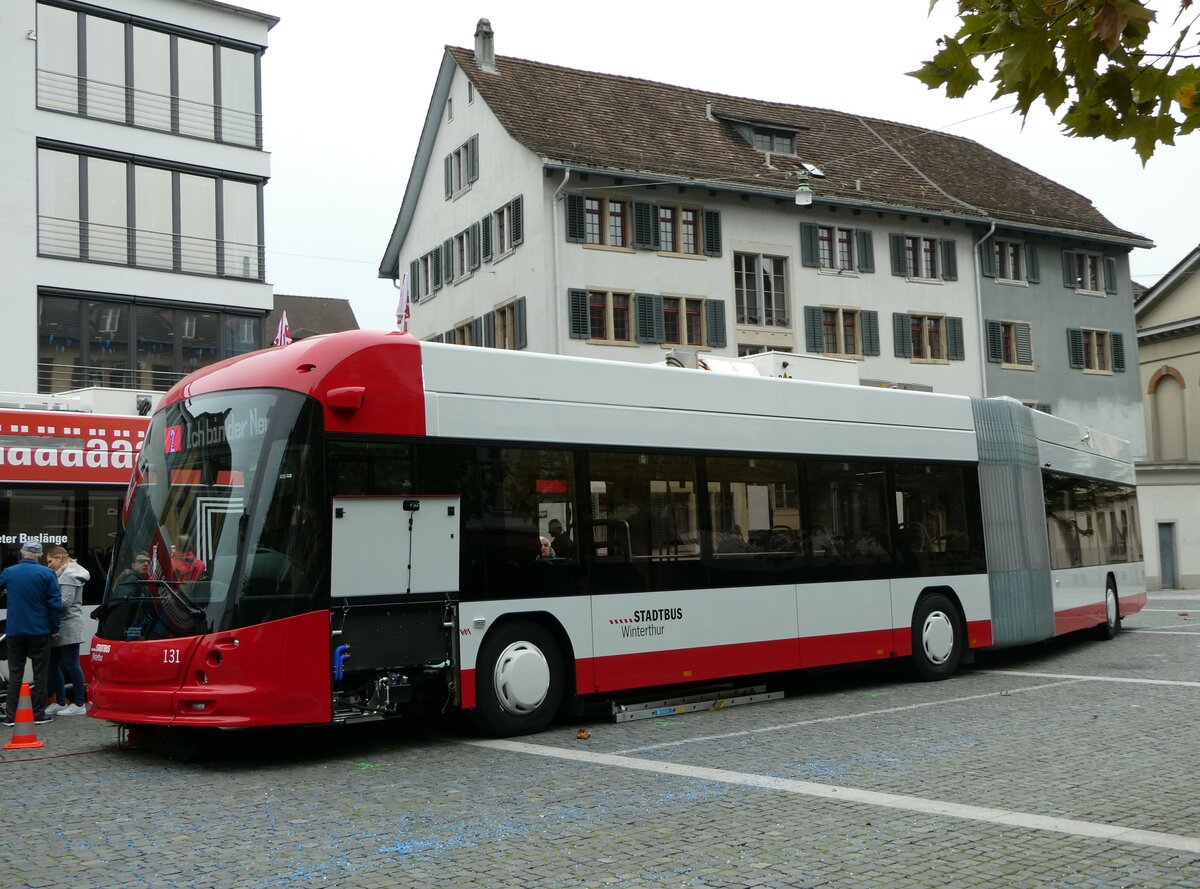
(1110,275)
(473,246)
(477,331)
(712,233)
(1118,351)
(473,158)
(809,247)
(987,258)
(1068,269)
(435,266)
(1033,272)
(414,283)
(519,323)
(949,259)
(579,318)
(870,330)
(899,266)
(902,333)
(485,238)
(489,330)
(517,224)
(814,335)
(650,327)
(576,230)
(955,349)
(995,342)
(449,181)
(1075,347)
(715,311)
(1024,345)
(448,260)
(645,226)
(866,250)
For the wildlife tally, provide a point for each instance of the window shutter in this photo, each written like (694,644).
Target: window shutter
(902,333)
(866,250)
(995,342)
(414,285)
(715,311)
(576,231)
(477,331)
(1033,272)
(449,181)
(809,247)
(1118,351)
(519,322)
(1075,346)
(650,327)
(712,236)
(949,260)
(1110,274)
(473,246)
(448,260)
(578,315)
(1068,269)
(435,266)
(516,209)
(870,330)
(814,334)
(489,330)
(1024,345)
(645,226)
(987,259)
(473,158)
(954,339)
(899,266)
(449,337)
(485,237)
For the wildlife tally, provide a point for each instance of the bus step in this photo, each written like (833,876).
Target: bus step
(707,700)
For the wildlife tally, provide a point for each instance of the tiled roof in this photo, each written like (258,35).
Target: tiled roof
(643,128)
(310,315)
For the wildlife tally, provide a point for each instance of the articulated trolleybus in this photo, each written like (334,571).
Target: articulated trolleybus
(358,524)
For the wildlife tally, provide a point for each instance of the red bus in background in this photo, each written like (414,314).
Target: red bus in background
(357,524)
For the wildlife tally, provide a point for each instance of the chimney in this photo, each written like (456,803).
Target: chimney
(485,47)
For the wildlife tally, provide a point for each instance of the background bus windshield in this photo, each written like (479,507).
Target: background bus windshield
(223,525)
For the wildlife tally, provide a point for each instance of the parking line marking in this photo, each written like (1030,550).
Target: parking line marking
(1162,610)
(1195,632)
(838,718)
(1131,679)
(1007,817)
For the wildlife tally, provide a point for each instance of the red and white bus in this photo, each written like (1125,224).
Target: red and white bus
(353,525)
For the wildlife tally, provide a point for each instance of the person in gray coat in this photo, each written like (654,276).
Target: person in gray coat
(72,633)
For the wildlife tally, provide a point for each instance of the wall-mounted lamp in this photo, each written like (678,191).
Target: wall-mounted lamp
(803,193)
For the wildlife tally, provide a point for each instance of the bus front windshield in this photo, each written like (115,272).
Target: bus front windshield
(223,524)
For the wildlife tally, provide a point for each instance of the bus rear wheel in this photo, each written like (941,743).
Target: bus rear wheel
(1112,613)
(519,679)
(937,638)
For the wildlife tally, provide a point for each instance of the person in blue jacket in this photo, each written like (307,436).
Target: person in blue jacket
(34,612)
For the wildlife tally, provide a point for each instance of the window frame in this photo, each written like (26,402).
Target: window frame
(1005,254)
(679,229)
(607,298)
(603,216)
(922,320)
(839,314)
(741,292)
(833,259)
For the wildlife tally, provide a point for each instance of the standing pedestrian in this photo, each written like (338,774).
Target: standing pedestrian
(34,613)
(72,632)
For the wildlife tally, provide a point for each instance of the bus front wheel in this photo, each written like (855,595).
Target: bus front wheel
(937,638)
(1112,613)
(519,679)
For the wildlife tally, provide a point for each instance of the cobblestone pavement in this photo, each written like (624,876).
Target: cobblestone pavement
(1068,764)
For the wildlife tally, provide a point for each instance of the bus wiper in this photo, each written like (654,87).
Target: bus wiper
(189,606)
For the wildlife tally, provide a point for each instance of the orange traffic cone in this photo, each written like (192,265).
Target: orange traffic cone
(24,720)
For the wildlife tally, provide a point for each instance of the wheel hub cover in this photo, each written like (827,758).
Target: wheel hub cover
(522,678)
(937,637)
(1111,604)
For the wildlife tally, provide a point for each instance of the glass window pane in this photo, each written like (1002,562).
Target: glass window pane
(153,241)
(105,68)
(241,229)
(108,345)
(107,221)
(243,334)
(155,348)
(755,516)
(151,79)
(58,203)
(199,333)
(198,223)
(239,122)
(850,521)
(60,347)
(196,89)
(58,58)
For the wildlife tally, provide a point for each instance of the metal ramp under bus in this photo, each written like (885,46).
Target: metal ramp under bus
(712,699)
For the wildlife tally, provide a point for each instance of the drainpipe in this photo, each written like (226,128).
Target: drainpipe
(979,309)
(556,296)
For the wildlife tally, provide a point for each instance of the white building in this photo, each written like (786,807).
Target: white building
(131,221)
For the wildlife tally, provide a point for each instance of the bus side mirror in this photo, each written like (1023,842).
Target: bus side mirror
(346,398)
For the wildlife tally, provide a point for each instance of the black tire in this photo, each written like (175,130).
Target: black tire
(937,638)
(518,680)
(1112,613)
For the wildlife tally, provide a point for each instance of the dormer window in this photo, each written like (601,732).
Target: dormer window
(773,141)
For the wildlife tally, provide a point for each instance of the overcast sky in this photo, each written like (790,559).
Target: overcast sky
(346,87)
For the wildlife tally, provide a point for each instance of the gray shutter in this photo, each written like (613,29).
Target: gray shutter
(712,234)
(448,260)
(870,330)
(987,258)
(485,238)
(645,226)
(1068,269)
(814,334)
(1110,275)
(519,323)
(473,158)
(449,181)
(576,229)
(435,266)
(516,210)
(865,243)
(809,247)
(473,246)
(489,330)
(1033,272)
(995,342)
(1024,344)
(414,285)
(649,310)
(1118,351)
(899,266)
(579,318)
(1075,347)
(477,331)
(902,333)
(949,259)
(715,311)
(954,339)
